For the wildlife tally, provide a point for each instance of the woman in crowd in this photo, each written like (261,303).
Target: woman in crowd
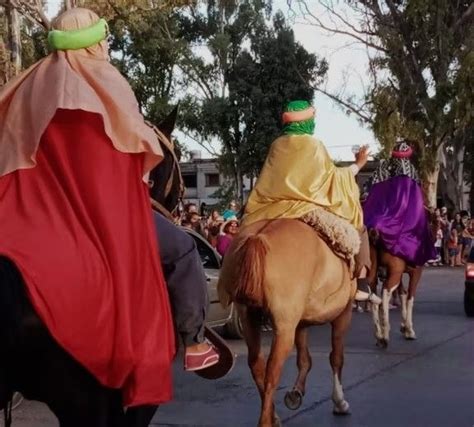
(229,230)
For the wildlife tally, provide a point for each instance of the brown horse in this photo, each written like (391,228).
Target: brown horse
(395,267)
(282,270)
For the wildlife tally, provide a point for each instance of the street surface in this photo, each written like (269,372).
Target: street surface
(428,382)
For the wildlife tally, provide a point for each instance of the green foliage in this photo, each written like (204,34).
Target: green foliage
(232,65)
(256,68)
(427,51)
(225,194)
(33,45)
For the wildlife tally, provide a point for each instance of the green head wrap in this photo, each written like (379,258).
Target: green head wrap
(78,39)
(302,127)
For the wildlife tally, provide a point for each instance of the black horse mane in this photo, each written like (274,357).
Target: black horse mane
(166,184)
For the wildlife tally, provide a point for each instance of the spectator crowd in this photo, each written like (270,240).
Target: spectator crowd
(218,228)
(453,237)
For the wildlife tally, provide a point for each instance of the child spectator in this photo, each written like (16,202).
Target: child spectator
(439,246)
(453,247)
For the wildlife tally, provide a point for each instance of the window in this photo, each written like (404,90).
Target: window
(212,180)
(206,253)
(190,180)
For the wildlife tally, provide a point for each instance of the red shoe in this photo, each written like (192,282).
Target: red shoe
(198,361)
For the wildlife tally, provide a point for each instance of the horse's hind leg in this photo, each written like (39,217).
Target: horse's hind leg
(409,331)
(294,398)
(339,328)
(392,282)
(6,393)
(283,340)
(403,308)
(251,322)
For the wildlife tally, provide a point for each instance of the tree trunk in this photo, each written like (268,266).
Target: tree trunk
(14,40)
(460,184)
(4,62)
(241,189)
(238,185)
(430,187)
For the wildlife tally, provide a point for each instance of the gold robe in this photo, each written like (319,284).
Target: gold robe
(299,176)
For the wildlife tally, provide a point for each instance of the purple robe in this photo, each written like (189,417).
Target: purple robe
(395,209)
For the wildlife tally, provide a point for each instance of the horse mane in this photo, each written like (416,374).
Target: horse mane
(166,182)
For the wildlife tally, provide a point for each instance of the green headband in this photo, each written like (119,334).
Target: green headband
(78,39)
(305,127)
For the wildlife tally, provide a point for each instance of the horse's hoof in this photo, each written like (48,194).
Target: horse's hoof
(276,421)
(293,399)
(382,343)
(410,336)
(341,408)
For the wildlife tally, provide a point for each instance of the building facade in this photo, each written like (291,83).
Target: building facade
(203,179)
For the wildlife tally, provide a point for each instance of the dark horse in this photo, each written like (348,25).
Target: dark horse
(32,363)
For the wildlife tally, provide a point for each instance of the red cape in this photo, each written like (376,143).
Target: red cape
(79,227)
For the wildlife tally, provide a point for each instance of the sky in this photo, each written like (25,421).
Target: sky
(347,65)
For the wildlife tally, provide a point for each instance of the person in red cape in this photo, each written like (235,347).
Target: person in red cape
(75,214)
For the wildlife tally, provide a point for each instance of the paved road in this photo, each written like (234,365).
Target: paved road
(428,382)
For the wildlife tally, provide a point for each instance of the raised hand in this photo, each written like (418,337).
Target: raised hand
(362,156)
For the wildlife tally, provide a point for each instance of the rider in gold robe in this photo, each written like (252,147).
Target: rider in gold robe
(299,176)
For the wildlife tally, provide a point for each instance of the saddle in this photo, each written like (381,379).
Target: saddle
(341,236)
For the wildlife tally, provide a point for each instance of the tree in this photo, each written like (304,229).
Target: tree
(256,67)
(20,24)
(421,63)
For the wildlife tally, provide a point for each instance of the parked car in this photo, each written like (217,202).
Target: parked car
(217,315)
(469,286)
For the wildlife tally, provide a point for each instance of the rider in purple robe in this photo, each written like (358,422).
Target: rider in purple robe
(394,208)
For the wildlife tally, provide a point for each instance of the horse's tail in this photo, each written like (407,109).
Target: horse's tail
(250,257)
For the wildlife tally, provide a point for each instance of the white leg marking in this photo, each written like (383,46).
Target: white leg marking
(376,319)
(410,332)
(403,300)
(341,406)
(386,297)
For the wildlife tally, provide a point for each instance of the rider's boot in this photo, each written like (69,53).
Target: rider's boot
(364,293)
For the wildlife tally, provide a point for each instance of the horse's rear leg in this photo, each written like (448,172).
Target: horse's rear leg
(408,331)
(251,323)
(283,341)
(339,330)
(392,282)
(294,398)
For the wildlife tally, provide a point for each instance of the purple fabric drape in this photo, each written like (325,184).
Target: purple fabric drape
(395,209)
